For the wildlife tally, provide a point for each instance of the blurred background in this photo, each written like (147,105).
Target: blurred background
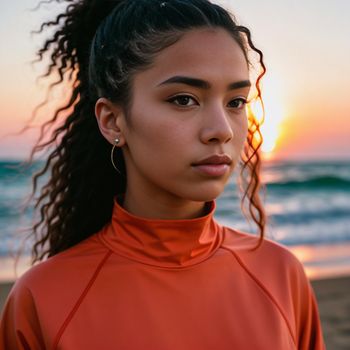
(306,135)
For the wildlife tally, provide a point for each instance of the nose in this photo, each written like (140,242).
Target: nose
(216,126)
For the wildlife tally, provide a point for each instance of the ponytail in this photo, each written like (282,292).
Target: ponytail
(78,198)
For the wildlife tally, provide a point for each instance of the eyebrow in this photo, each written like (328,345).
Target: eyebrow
(202,84)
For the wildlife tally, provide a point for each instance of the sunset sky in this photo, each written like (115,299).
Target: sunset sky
(306,90)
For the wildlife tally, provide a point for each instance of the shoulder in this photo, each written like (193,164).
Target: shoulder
(278,273)
(68,268)
(272,262)
(53,286)
(43,296)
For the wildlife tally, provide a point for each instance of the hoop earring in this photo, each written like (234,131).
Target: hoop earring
(116,142)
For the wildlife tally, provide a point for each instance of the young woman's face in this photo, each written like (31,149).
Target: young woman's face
(187,122)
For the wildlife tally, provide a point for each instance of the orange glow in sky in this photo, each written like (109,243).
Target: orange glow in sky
(271,121)
(274,115)
(305,89)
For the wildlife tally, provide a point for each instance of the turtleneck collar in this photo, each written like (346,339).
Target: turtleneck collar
(164,243)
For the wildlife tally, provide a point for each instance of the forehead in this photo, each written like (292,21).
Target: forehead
(210,54)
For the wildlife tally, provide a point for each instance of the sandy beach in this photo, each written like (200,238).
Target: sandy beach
(4,290)
(333,296)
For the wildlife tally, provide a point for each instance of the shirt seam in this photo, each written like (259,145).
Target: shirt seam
(80,299)
(265,290)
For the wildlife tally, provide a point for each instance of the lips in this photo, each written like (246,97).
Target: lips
(216,159)
(213,166)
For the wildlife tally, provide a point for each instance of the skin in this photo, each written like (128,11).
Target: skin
(163,137)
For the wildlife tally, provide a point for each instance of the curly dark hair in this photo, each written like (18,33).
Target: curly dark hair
(96,47)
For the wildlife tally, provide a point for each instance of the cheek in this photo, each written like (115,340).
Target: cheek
(240,130)
(154,123)
(244,130)
(155,135)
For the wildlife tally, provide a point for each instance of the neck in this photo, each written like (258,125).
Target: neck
(149,207)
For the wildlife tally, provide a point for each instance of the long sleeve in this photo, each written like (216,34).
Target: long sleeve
(309,326)
(19,325)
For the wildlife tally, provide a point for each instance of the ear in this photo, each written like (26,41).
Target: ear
(110,118)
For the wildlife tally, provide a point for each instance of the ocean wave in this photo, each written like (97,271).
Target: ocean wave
(306,216)
(317,182)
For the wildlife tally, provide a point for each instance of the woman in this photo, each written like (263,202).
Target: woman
(135,258)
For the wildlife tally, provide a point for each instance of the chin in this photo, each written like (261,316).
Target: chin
(205,195)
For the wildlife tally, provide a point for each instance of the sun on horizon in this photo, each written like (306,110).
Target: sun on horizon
(269,117)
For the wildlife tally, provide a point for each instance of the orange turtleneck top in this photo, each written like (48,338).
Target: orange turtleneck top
(164,285)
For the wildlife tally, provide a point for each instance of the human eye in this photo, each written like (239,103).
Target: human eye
(237,103)
(183,100)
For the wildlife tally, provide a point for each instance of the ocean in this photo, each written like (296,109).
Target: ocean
(307,202)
